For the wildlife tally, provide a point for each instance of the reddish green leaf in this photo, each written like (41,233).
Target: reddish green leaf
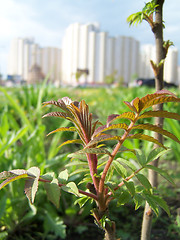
(105,137)
(144,101)
(91,151)
(31,185)
(78,141)
(60,103)
(163,114)
(57,114)
(159,100)
(6,174)
(145,137)
(127,115)
(150,127)
(130,106)
(18,171)
(63,129)
(111,127)
(12,179)
(136,103)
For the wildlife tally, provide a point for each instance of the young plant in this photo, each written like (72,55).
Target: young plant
(101,187)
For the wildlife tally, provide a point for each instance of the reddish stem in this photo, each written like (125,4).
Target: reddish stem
(92,161)
(111,158)
(91,195)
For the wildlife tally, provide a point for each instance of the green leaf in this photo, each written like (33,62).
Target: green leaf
(138,200)
(53,192)
(127,163)
(71,188)
(4,125)
(160,202)
(54,225)
(123,198)
(156,153)
(18,109)
(161,172)
(3,205)
(141,158)
(48,176)
(144,181)
(76,163)
(13,139)
(130,187)
(151,202)
(63,176)
(81,201)
(77,155)
(33,172)
(120,169)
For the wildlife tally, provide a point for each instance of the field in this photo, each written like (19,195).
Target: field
(23,144)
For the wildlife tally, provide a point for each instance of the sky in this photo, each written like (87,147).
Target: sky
(46,21)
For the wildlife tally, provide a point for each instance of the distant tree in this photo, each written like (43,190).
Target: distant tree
(153,14)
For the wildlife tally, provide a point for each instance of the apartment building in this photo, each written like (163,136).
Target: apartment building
(96,56)
(27,59)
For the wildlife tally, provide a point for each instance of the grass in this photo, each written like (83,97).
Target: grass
(23,143)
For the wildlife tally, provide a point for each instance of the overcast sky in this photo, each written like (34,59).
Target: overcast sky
(46,20)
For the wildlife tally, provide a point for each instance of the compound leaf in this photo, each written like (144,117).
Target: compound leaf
(161,172)
(150,127)
(163,114)
(146,137)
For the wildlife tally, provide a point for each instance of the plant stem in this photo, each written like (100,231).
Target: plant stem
(115,151)
(91,195)
(92,161)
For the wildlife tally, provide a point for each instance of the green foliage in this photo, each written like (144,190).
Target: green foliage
(146,14)
(108,173)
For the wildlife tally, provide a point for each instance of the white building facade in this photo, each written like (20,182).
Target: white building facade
(85,47)
(25,53)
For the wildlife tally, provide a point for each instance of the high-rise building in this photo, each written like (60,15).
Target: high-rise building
(25,56)
(88,50)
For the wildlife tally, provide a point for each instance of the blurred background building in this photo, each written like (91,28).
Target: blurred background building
(88,56)
(88,50)
(26,58)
